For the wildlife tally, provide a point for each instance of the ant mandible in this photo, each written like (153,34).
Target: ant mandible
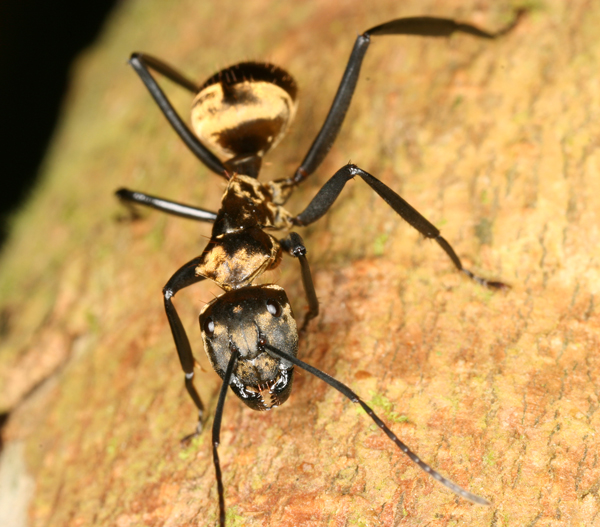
(249,332)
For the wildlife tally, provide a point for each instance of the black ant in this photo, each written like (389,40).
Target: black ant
(249,332)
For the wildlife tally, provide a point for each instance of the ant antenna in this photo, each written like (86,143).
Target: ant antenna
(344,390)
(216,432)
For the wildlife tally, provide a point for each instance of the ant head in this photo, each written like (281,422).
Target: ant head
(246,320)
(244,110)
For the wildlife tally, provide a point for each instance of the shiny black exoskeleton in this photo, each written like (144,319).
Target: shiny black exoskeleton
(249,332)
(242,319)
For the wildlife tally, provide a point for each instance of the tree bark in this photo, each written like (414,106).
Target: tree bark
(495,142)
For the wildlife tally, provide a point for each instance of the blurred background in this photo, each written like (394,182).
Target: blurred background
(38,43)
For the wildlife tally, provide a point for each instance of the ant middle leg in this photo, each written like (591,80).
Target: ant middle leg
(164,205)
(324,199)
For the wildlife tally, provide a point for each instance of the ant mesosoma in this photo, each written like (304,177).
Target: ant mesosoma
(249,332)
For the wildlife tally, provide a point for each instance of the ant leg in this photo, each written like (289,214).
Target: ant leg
(347,392)
(184,277)
(423,26)
(142,63)
(216,432)
(331,190)
(294,245)
(164,205)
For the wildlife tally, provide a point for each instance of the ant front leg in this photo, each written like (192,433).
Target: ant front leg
(184,277)
(294,245)
(331,190)
(422,25)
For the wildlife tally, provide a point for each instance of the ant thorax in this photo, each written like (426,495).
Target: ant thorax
(239,249)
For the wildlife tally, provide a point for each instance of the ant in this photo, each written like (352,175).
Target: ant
(249,332)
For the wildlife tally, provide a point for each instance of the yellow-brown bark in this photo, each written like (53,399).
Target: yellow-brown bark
(494,142)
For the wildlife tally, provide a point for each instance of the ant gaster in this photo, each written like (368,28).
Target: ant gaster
(249,332)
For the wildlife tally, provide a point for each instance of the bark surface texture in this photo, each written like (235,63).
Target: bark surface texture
(497,143)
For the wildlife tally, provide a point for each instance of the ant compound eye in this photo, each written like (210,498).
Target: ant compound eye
(209,327)
(274,308)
